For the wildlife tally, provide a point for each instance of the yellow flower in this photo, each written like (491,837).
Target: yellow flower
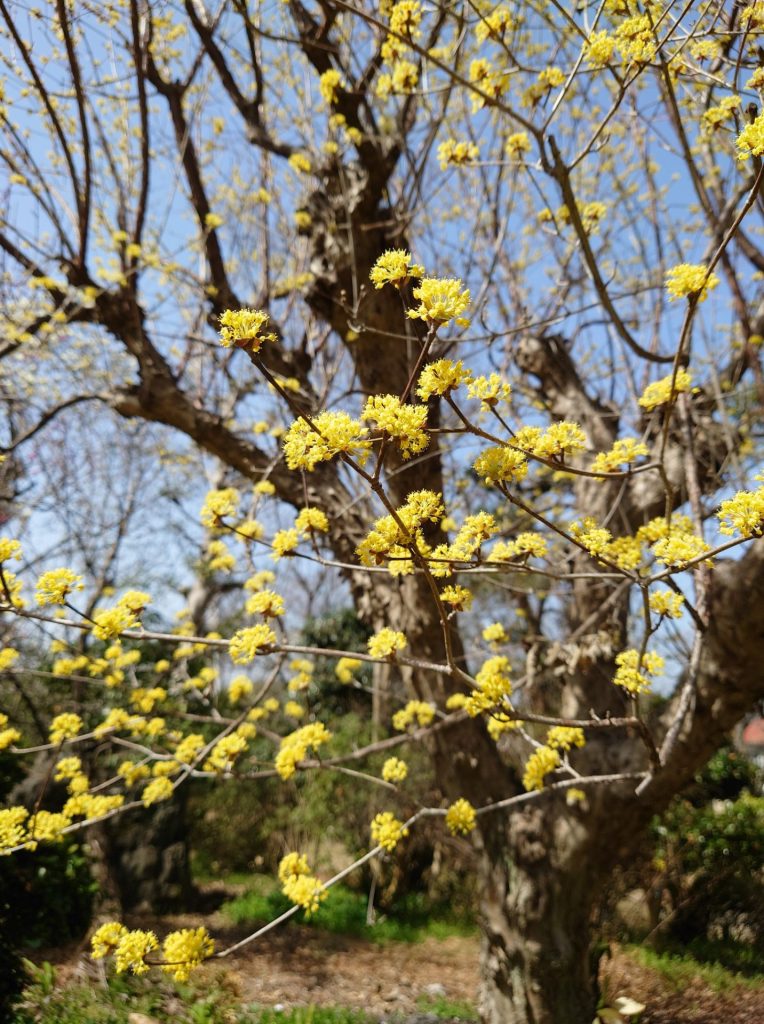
(440,377)
(394,770)
(666,602)
(330,83)
(750,141)
(284,543)
(440,299)
(53,587)
(243,328)
(218,505)
(542,761)
(299,885)
(458,597)
(495,634)
(266,603)
(105,940)
(563,737)
(111,622)
(394,266)
(517,143)
(9,549)
(664,390)
(387,831)
(497,465)
(460,818)
(405,423)
(494,25)
(332,433)
(64,727)
(415,711)
(300,163)
(743,514)
(490,390)
(386,643)
(156,790)
(623,453)
(132,949)
(247,643)
(599,49)
(12,827)
(310,521)
(184,950)
(687,280)
(633,674)
(458,153)
(405,76)
(294,747)
(345,669)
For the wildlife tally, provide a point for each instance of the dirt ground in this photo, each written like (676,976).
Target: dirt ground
(298,966)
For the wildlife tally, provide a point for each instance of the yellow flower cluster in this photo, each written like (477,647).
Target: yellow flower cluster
(490,390)
(458,597)
(418,711)
(12,827)
(387,831)
(389,540)
(460,818)
(633,674)
(225,752)
(495,634)
(495,25)
(54,586)
(440,299)
(132,950)
(542,761)
(386,643)
(714,116)
(679,548)
(394,770)
(345,669)
(501,465)
(265,603)
(635,40)
(243,327)
(490,83)
(517,143)
(563,737)
(458,153)
(64,727)
(111,622)
(239,687)
(332,433)
(184,950)
(557,440)
(394,266)
(524,545)
(666,602)
(623,453)
(247,643)
(156,791)
(9,549)
(441,377)
(310,521)
(743,514)
(330,83)
(218,505)
(750,141)
(625,552)
(189,747)
(493,686)
(405,423)
(687,280)
(599,49)
(299,885)
(295,746)
(665,389)
(284,542)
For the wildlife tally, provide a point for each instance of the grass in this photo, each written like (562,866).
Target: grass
(211,1001)
(448,1009)
(722,966)
(344,912)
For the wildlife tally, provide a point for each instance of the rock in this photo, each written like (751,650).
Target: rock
(435,990)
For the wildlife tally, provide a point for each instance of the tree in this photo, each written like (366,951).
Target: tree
(178,169)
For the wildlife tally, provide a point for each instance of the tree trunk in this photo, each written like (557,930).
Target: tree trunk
(536,901)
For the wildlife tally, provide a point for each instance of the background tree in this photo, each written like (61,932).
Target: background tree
(168,163)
